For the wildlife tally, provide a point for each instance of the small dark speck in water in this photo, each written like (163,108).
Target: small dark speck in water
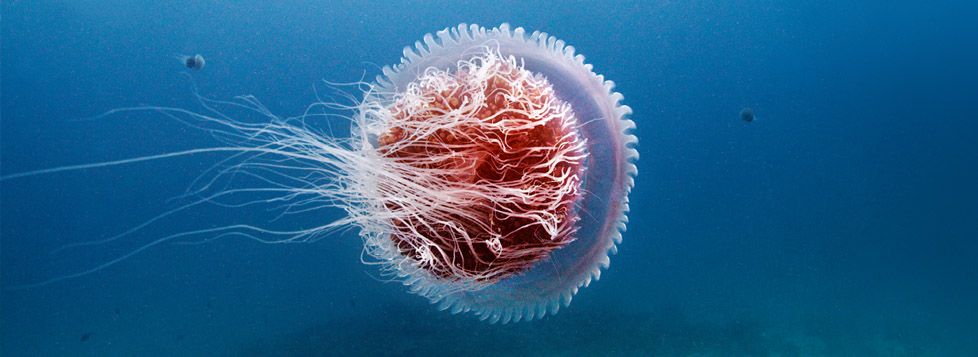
(227,275)
(86,336)
(353,302)
(117,311)
(747,115)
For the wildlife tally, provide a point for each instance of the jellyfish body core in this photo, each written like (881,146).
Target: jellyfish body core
(503,151)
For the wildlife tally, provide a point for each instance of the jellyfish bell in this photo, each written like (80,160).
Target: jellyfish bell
(549,184)
(196,62)
(489,172)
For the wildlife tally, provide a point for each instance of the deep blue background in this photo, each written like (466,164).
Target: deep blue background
(843,221)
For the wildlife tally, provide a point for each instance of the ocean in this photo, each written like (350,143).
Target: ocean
(842,221)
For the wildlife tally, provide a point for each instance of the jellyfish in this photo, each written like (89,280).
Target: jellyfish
(196,62)
(747,115)
(488,172)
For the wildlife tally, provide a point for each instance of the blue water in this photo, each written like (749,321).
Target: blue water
(843,221)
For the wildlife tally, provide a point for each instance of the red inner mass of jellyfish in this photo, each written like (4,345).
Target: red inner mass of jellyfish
(497,134)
